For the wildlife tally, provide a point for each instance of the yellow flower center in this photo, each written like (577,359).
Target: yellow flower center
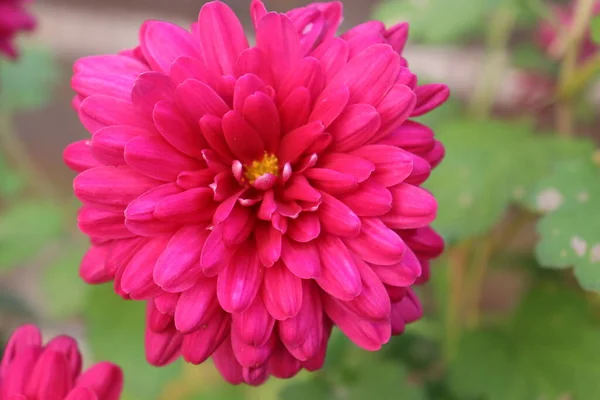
(269,164)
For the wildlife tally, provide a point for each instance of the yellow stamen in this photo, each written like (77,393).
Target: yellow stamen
(268,165)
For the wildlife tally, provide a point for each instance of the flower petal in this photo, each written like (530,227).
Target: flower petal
(240,281)
(281,292)
(339,277)
(376,243)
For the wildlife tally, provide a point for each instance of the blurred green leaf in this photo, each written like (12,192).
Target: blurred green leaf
(24,229)
(530,57)
(595,29)
(314,389)
(437,21)
(220,392)
(389,380)
(116,333)
(550,349)
(64,289)
(10,183)
(28,82)
(570,233)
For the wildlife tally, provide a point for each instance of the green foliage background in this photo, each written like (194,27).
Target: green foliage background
(512,312)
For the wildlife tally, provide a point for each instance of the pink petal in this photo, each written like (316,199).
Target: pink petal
(240,281)
(139,214)
(108,144)
(253,326)
(268,244)
(177,131)
(302,259)
(260,112)
(302,335)
(197,306)
(111,188)
(376,243)
(370,74)
(340,276)
(79,156)
(412,207)
(373,302)
(294,144)
(276,35)
(305,228)
(349,164)
(102,224)
(195,179)
(222,37)
(281,292)
(309,74)
(354,127)
(75,394)
(421,171)
(254,61)
(212,129)
(185,67)
(369,335)
(411,136)
(283,365)
(137,277)
(298,188)
(154,157)
(92,269)
(178,265)
(337,218)
(244,142)
(429,97)
(93,65)
(197,99)
(370,199)
(436,155)
(250,356)
(150,88)
(162,348)
(392,164)
(215,253)
(111,84)
(194,206)
(316,23)
(245,86)
(424,241)
(162,43)
(395,108)
(225,361)
(295,109)
(50,375)
(257,11)
(333,55)
(104,379)
(200,345)
(329,105)
(332,182)
(99,111)
(397,36)
(166,303)
(402,274)
(239,225)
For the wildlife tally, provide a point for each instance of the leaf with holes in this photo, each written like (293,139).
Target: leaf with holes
(570,232)
(549,350)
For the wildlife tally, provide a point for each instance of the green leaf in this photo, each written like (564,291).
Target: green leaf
(220,392)
(10,183)
(314,389)
(434,21)
(595,29)
(116,333)
(488,165)
(389,380)
(28,82)
(550,349)
(64,289)
(24,229)
(570,232)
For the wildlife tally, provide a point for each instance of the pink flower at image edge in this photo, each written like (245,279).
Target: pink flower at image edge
(255,197)
(31,370)
(14,18)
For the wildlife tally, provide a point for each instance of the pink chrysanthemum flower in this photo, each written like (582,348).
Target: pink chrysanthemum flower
(32,371)
(549,37)
(14,18)
(257,196)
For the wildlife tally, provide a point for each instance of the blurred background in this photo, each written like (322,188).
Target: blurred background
(507,318)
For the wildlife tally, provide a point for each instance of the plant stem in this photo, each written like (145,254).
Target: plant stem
(25,165)
(482,257)
(457,267)
(581,19)
(498,35)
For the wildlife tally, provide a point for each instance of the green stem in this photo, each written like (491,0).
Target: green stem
(581,19)
(478,271)
(25,165)
(457,268)
(496,61)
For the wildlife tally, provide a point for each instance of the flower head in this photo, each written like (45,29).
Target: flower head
(552,35)
(256,196)
(14,18)
(30,370)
